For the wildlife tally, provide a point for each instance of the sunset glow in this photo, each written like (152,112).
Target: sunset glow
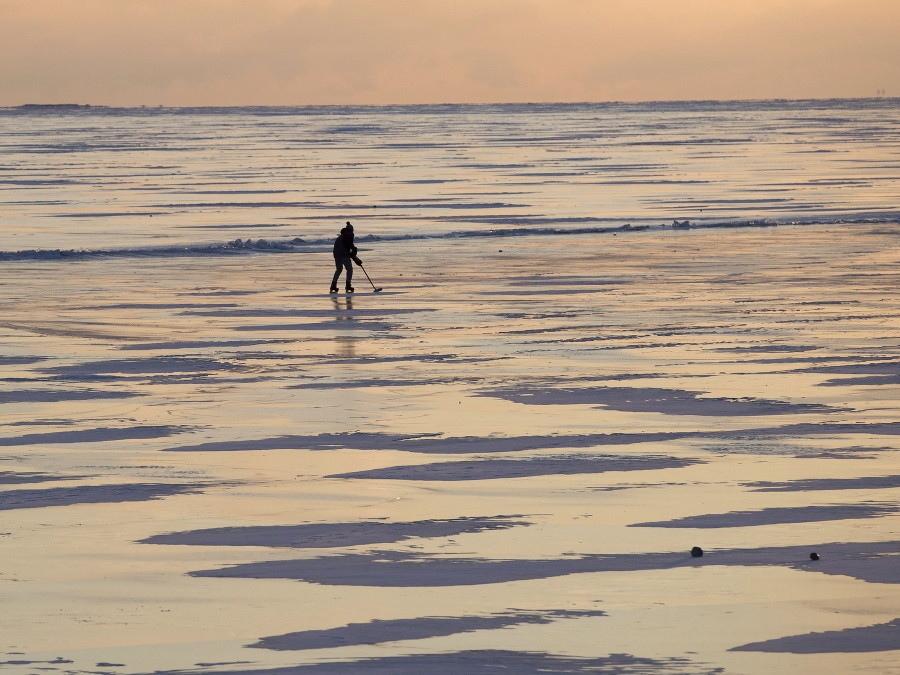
(299,52)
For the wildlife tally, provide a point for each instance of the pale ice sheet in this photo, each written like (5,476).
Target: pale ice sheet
(232,390)
(179,181)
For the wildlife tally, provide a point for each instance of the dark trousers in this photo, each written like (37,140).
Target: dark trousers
(343,263)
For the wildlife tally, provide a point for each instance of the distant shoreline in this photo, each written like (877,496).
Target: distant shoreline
(724,104)
(56,106)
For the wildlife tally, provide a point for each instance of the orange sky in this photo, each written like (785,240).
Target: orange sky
(296,52)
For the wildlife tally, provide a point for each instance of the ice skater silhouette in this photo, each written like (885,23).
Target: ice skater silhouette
(344,257)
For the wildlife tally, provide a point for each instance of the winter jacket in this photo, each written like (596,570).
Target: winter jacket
(343,245)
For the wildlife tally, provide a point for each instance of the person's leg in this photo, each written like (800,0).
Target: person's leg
(337,273)
(349,265)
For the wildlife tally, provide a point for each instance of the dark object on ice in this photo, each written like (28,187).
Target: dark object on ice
(696,552)
(683,223)
(344,252)
(813,556)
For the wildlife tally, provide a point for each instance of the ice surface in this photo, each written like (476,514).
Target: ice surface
(205,453)
(411,629)
(879,638)
(331,535)
(488,661)
(870,561)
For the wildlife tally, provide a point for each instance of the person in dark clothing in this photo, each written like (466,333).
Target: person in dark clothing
(344,256)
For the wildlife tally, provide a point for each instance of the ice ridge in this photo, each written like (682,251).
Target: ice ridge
(301,245)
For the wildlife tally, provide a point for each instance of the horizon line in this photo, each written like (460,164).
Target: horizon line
(156,106)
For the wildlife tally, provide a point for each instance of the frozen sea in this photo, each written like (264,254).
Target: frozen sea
(150,178)
(609,333)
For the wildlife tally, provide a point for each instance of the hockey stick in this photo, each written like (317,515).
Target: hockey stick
(377,290)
